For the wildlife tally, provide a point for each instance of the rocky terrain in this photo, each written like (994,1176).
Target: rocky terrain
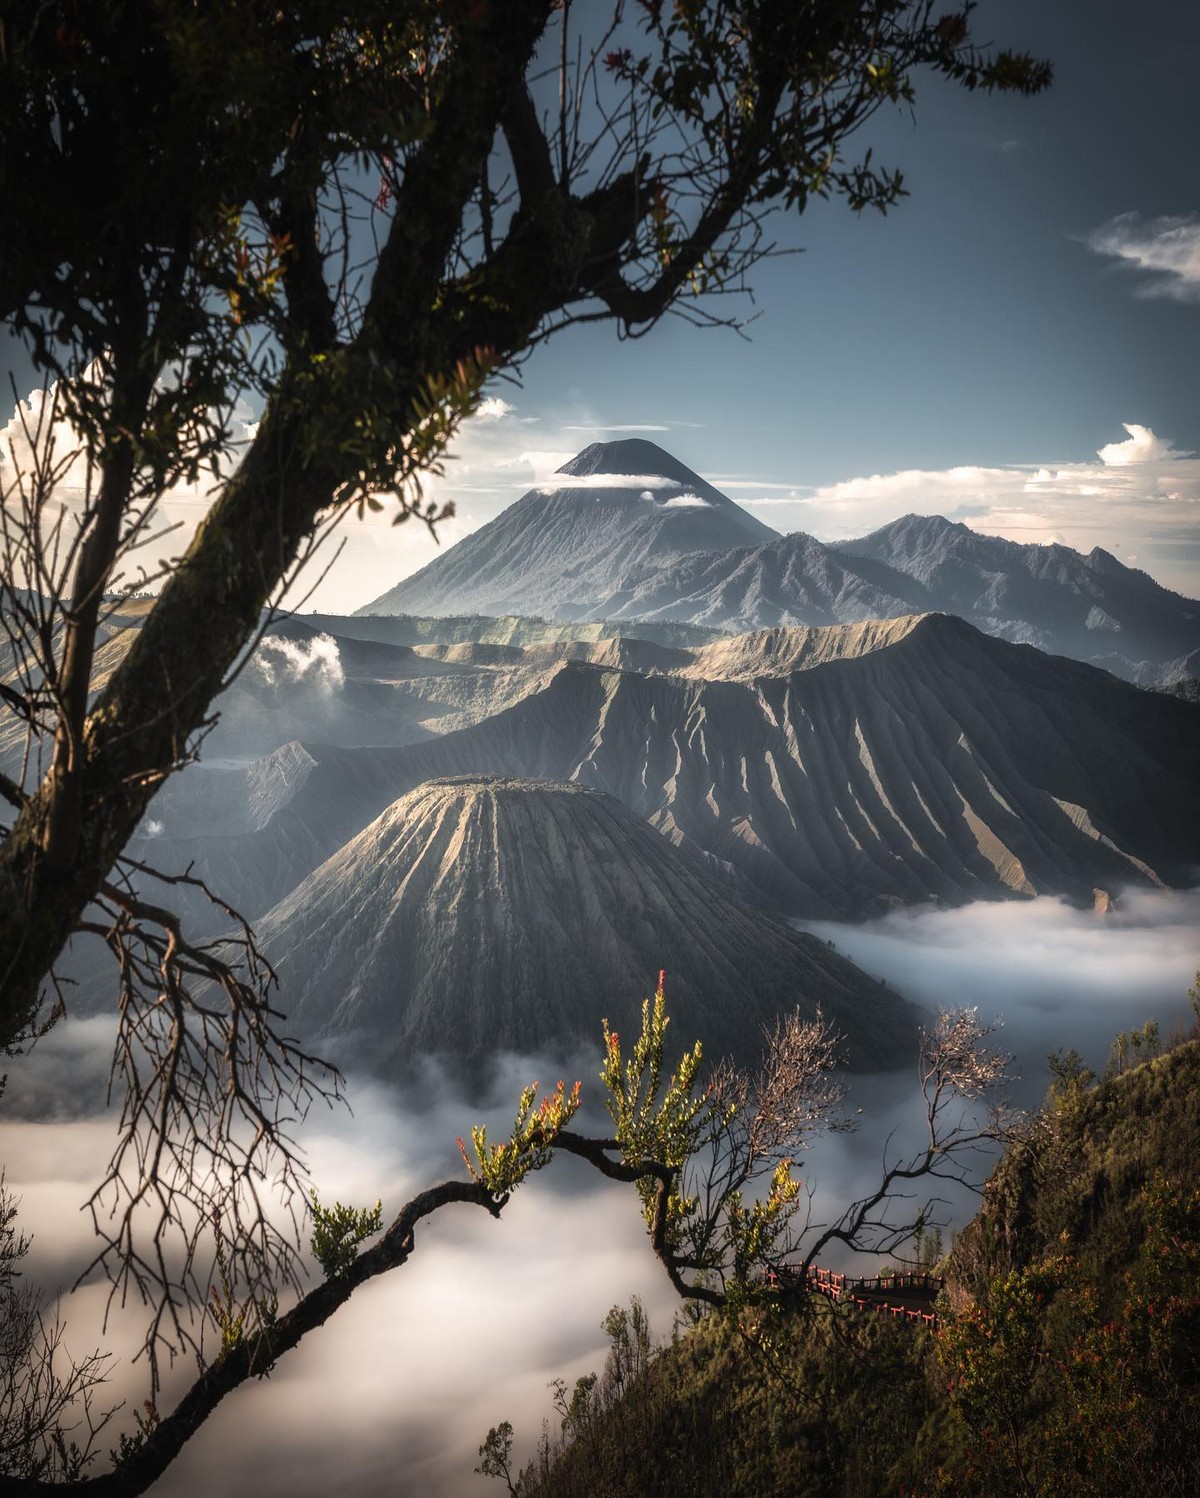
(921,761)
(634,787)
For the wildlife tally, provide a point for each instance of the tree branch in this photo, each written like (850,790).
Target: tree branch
(254,1356)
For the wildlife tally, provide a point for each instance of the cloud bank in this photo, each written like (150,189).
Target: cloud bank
(1056,975)
(396,1392)
(1165,252)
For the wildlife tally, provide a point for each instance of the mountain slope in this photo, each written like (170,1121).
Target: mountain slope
(478,915)
(940,764)
(789,580)
(1077,1377)
(1092,607)
(563,550)
(640,536)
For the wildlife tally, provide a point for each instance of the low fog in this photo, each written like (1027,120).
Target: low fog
(395,1394)
(1054,975)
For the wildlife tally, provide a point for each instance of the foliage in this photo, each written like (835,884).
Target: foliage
(338,1231)
(1058,1398)
(1079,1173)
(1132,1046)
(530,1146)
(667,1122)
(705,1413)
(714,1160)
(1074,1369)
(496,1455)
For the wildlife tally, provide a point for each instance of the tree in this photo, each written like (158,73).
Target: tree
(298,203)
(356,216)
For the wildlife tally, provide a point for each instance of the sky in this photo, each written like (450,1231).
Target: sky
(1014,345)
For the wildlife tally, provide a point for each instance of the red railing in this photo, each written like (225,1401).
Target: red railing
(871,1293)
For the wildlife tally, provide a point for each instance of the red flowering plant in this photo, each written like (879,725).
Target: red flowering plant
(530,1146)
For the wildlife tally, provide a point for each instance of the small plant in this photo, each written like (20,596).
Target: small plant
(1131,1047)
(130,1444)
(337,1233)
(501,1167)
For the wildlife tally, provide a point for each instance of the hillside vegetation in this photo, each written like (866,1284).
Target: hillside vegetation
(1066,1362)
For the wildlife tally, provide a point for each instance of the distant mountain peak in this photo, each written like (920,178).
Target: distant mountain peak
(629,456)
(929,529)
(551,555)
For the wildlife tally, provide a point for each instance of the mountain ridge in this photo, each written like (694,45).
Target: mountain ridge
(943,764)
(714,565)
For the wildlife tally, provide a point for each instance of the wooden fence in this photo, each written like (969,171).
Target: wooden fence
(908,1297)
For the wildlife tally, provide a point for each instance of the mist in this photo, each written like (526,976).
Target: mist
(1054,975)
(396,1392)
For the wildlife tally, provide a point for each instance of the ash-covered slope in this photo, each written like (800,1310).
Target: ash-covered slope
(940,764)
(787,581)
(564,551)
(479,915)
(1090,607)
(779,652)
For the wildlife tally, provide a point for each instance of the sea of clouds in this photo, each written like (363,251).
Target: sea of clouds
(396,1392)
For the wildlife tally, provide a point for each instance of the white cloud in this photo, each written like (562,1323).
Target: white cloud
(493,409)
(686,502)
(624,426)
(1165,249)
(1055,974)
(719,481)
(1141,446)
(541,463)
(280,662)
(629,426)
(606,481)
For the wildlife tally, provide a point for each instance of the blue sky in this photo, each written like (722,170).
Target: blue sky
(1035,297)
(968,354)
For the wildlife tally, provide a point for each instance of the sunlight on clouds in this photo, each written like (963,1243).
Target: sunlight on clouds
(1166,249)
(1141,446)
(559,481)
(493,409)
(36,427)
(624,426)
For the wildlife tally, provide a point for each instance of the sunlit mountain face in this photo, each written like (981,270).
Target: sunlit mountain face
(626,532)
